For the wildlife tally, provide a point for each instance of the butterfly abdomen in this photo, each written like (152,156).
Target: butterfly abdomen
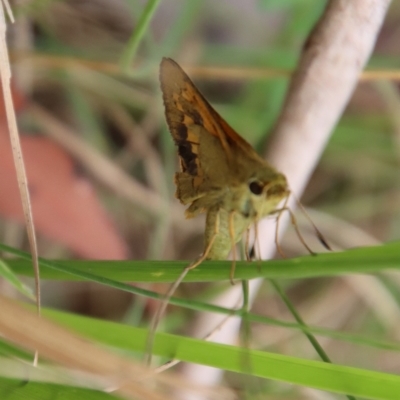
(219,232)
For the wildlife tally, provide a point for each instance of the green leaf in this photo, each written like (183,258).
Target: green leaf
(11,278)
(12,389)
(310,373)
(360,260)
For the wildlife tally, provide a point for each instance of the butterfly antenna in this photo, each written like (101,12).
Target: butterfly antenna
(296,228)
(320,236)
(293,221)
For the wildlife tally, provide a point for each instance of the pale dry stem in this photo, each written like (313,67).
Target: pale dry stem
(17,152)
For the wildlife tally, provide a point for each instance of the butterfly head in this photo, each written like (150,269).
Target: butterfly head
(266,190)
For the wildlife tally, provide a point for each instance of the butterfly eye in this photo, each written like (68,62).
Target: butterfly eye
(255,188)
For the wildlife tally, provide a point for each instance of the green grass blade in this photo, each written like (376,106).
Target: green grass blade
(335,378)
(134,41)
(62,268)
(13,389)
(360,260)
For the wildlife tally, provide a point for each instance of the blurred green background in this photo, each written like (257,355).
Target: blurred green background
(77,61)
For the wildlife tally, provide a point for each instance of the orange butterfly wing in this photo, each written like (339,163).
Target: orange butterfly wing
(191,121)
(185,106)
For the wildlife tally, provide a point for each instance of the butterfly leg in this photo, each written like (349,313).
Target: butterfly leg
(161,309)
(247,245)
(279,211)
(257,243)
(207,337)
(233,242)
(207,249)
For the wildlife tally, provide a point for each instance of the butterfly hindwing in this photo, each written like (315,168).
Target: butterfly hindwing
(205,188)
